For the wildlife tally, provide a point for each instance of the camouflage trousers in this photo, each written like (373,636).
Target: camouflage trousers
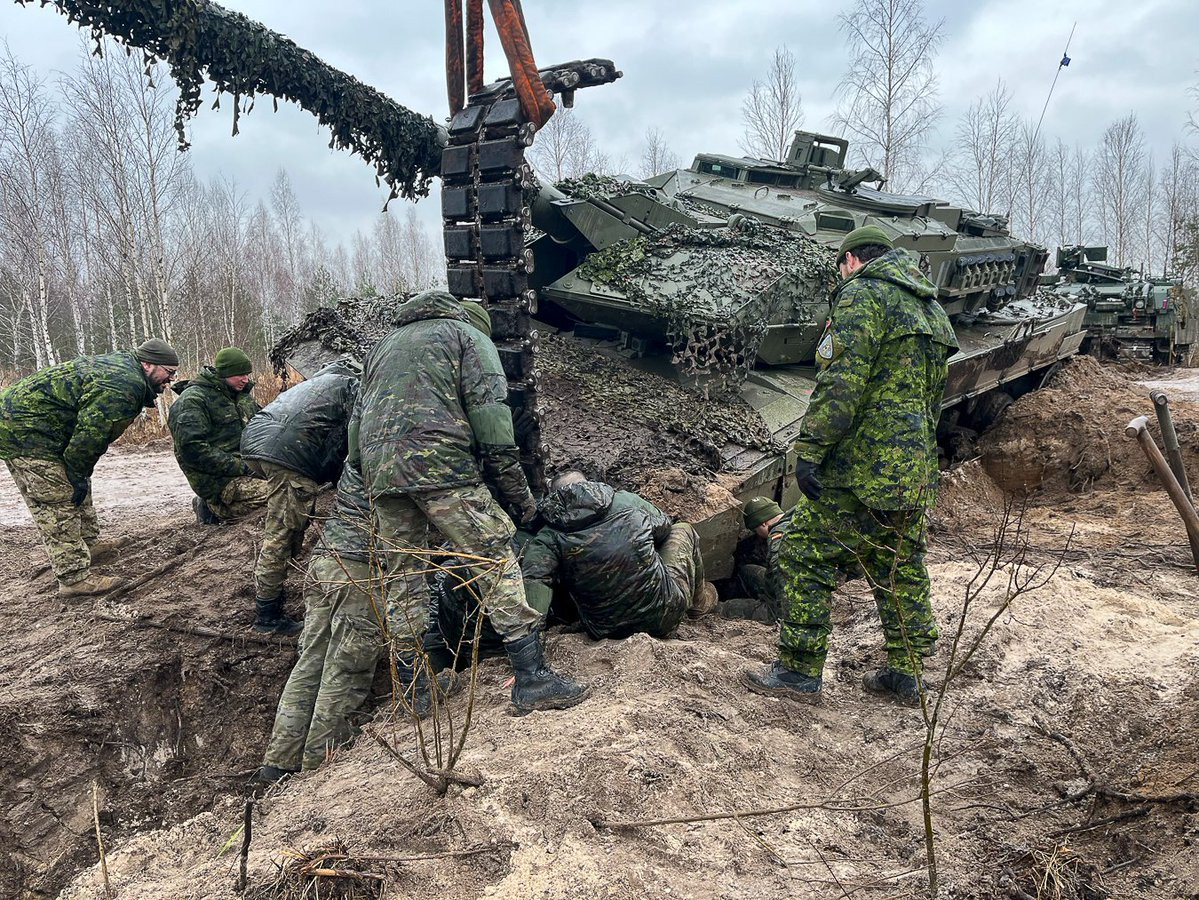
(67,530)
(241,497)
(339,649)
(289,508)
(680,554)
(836,538)
(475,526)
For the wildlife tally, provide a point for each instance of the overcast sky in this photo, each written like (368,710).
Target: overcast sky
(687,66)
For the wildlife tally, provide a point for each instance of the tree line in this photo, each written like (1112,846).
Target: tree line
(110,237)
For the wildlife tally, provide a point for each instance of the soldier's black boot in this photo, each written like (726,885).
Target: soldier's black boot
(412,681)
(436,649)
(271,774)
(537,686)
(779,681)
(204,513)
(271,619)
(901,686)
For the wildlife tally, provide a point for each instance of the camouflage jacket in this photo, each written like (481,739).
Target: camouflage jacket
(72,411)
(432,399)
(601,545)
(304,428)
(347,530)
(754,551)
(872,421)
(206,423)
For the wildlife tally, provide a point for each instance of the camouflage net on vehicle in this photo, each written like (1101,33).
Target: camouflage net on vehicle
(239,56)
(717,305)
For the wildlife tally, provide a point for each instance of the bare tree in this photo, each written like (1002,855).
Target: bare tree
(656,157)
(1176,193)
(982,151)
(1119,187)
(1030,183)
(773,109)
(888,95)
(565,148)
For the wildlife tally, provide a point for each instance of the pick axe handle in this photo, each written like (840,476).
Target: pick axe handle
(1138,429)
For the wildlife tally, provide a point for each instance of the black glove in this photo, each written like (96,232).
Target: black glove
(82,487)
(503,474)
(807,476)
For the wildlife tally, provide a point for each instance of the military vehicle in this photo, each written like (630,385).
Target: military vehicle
(718,277)
(1129,315)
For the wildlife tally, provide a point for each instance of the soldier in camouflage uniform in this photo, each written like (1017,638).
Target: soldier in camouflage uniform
(206,423)
(341,644)
(867,466)
(432,432)
(296,443)
(628,568)
(758,583)
(54,426)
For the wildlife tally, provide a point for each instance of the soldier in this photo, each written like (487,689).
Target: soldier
(757,583)
(296,444)
(431,426)
(54,426)
(206,423)
(341,644)
(627,567)
(867,466)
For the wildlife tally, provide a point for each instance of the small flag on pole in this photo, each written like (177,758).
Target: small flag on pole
(1065,60)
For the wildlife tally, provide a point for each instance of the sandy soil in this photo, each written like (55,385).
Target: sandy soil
(1066,766)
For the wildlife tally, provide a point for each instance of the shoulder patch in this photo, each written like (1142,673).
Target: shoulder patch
(824,349)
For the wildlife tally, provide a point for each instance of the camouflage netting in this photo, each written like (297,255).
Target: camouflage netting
(599,414)
(718,304)
(199,40)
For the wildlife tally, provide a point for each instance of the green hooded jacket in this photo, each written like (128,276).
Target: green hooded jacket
(206,423)
(432,401)
(871,424)
(72,411)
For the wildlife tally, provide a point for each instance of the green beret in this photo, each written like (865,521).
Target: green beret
(156,352)
(479,316)
(867,234)
(231,361)
(760,510)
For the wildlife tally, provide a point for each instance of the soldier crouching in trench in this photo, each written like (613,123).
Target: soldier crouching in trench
(54,426)
(867,467)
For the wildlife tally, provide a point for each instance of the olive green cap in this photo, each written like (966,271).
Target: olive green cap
(867,234)
(479,316)
(231,361)
(156,352)
(760,510)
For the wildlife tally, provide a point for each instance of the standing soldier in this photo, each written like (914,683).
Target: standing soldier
(430,428)
(54,426)
(296,443)
(340,646)
(867,466)
(206,423)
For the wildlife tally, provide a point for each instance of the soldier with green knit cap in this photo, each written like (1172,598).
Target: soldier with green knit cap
(54,426)
(867,467)
(757,586)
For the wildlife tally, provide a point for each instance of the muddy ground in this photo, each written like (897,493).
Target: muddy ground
(1067,766)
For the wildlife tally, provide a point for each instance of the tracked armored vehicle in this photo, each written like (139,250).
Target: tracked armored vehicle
(686,309)
(1129,315)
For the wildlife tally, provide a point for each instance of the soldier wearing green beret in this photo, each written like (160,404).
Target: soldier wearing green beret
(206,423)
(867,467)
(54,426)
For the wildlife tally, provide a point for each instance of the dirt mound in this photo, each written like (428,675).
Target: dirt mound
(670,734)
(1069,436)
(163,721)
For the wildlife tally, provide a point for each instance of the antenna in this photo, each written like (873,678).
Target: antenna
(1061,65)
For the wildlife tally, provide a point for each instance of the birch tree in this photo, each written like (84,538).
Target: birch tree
(1119,188)
(772,110)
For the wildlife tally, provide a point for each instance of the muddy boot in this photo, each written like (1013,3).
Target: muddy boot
(272,774)
(103,547)
(779,681)
(204,515)
(413,682)
(90,586)
(704,602)
(537,686)
(899,685)
(271,619)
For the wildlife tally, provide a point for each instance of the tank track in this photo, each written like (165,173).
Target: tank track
(486,217)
